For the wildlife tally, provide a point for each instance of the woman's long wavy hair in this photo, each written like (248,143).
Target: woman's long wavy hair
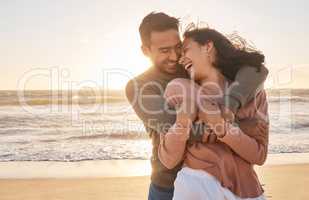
(232,51)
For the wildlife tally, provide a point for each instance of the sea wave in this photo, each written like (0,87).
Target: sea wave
(115,132)
(42,102)
(128,136)
(277,99)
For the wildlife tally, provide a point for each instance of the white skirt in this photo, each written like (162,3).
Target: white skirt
(192,184)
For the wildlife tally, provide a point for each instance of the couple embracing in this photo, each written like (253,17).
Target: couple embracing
(203,104)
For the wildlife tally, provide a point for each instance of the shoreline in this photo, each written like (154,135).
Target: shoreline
(280,182)
(109,168)
(284,177)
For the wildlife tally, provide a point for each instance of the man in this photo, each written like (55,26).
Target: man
(162,45)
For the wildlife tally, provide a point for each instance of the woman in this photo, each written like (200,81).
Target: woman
(223,168)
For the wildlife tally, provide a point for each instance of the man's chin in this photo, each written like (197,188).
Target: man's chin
(170,69)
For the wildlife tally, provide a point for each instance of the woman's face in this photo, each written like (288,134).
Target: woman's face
(195,60)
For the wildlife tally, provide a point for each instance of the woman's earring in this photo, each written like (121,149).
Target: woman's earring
(207,54)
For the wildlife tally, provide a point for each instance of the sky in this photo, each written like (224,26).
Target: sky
(63,44)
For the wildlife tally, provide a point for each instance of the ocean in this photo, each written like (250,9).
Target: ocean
(87,125)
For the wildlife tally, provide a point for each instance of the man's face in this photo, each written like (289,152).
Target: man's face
(164,50)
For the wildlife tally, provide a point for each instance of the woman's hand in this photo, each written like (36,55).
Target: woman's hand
(181,94)
(186,111)
(227,114)
(183,124)
(210,113)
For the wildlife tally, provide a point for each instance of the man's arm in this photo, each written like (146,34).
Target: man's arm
(248,82)
(150,107)
(164,117)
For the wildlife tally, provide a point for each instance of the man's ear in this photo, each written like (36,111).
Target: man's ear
(146,50)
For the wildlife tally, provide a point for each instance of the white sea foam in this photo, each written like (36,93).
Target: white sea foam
(113,131)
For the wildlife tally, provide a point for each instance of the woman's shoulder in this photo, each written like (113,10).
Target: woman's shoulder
(261,97)
(257,105)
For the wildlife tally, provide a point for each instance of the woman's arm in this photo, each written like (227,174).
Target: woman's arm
(173,144)
(251,147)
(252,144)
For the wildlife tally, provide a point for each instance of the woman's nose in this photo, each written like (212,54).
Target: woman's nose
(181,60)
(184,60)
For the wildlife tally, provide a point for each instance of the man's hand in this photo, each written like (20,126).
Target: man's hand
(209,137)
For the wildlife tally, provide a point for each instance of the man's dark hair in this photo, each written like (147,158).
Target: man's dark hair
(156,22)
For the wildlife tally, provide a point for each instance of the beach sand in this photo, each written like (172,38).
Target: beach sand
(60,182)
(285,182)
(126,188)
